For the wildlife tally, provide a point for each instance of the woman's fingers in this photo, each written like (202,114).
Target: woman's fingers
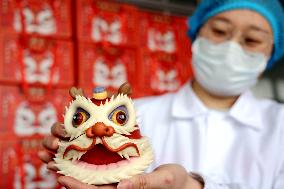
(170,176)
(50,143)
(45,156)
(157,179)
(58,131)
(51,166)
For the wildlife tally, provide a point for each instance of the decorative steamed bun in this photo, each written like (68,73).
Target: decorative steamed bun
(105,144)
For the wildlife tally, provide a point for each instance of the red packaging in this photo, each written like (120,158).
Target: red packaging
(161,73)
(31,173)
(165,59)
(45,17)
(162,33)
(8,161)
(24,117)
(107,22)
(34,60)
(108,67)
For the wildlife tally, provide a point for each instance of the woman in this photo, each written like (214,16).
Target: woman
(214,126)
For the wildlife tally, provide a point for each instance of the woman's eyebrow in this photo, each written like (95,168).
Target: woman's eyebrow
(257,28)
(222,19)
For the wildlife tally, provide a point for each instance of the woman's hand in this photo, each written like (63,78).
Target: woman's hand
(170,176)
(50,143)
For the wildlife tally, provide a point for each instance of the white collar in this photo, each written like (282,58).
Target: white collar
(186,105)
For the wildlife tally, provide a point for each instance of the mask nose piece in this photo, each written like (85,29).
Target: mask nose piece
(99,130)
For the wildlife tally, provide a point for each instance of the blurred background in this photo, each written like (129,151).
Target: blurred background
(48,46)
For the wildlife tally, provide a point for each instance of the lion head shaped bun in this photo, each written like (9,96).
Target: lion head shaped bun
(105,143)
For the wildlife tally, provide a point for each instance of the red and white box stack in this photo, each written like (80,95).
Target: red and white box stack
(47,46)
(164,57)
(107,44)
(36,71)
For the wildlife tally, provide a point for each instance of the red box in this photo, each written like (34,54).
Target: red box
(45,17)
(162,33)
(20,166)
(161,72)
(26,118)
(165,56)
(108,67)
(36,61)
(107,22)
(31,173)
(8,162)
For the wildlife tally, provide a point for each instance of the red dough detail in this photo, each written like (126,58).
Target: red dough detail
(99,102)
(77,148)
(99,155)
(121,147)
(134,135)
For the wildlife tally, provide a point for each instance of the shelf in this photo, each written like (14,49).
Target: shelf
(163,6)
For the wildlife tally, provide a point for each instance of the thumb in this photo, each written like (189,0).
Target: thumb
(158,179)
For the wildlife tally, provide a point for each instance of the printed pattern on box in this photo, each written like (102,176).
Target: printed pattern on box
(9,160)
(36,60)
(164,60)
(107,67)
(107,22)
(32,173)
(45,17)
(161,72)
(25,118)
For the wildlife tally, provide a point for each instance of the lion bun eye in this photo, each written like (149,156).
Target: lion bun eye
(119,115)
(80,117)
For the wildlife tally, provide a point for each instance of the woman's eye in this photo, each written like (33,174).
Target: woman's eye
(252,42)
(79,118)
(219,32)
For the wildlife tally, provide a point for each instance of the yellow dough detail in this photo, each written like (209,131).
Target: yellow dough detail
(100,96)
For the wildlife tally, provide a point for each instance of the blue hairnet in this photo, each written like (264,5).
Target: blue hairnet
(272,10)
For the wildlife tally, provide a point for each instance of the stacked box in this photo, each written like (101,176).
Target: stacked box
(36,71)
(48,46)
(45,18)
(107,44)
(36,60)
(164,62)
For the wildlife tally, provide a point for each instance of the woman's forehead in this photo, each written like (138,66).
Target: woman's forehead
(243,18)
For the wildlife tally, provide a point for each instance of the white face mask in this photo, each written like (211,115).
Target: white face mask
(225,69)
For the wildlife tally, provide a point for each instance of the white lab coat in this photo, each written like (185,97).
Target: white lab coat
(239,148)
